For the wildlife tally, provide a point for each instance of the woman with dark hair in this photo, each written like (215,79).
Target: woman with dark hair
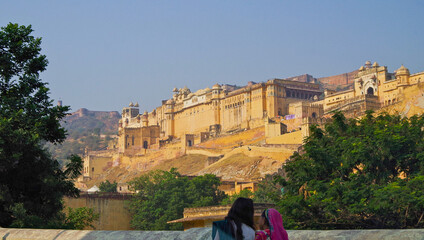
(238,224)
(272,227)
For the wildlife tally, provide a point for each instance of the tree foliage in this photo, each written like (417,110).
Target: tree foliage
(270,189)
(230,199)
(79,218)
(107,186)
(30,180)
(162,196)
(365,173)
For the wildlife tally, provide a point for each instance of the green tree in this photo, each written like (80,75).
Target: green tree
(246,193)
(80,218)
(162,196)
(357,174)
(29,176)
(77,218)
(107,186)
(270,189)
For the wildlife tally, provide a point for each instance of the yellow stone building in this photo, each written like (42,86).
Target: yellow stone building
(222,109)
(374,87)
(226,109)
(95,164)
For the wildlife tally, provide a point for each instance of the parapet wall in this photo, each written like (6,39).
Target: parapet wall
(203,233)
(112,209)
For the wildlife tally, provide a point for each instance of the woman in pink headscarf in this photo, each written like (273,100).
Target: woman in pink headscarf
(272,223)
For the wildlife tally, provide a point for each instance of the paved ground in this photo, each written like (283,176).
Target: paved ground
(201,233)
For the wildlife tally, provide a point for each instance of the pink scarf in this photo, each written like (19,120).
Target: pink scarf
(276,225)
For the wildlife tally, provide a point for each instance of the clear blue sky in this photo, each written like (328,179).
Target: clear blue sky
(104,54)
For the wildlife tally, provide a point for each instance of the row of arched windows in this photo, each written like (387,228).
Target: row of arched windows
(298,94)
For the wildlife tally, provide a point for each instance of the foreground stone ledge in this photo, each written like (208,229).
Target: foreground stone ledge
(202,233)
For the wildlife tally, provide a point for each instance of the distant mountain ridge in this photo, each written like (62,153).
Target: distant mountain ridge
(86,129)
(89,120)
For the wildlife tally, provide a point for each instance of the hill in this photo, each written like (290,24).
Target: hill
(86,129)
(86,120)
(243,156)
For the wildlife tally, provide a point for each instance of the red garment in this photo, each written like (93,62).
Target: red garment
(276,225)
(263,234)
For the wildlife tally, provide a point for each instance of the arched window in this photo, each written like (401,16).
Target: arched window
(370,91)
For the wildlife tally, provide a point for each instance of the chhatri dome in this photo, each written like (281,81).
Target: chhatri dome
(216,86)
(402,71)
(368,64)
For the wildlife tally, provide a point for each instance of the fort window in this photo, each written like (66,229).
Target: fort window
(370,91)
(92,169)
(145,144)
(132,140)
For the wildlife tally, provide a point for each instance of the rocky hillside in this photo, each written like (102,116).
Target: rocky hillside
(86,129)
(86,120)
(244,156)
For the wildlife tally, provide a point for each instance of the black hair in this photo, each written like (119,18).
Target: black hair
(241,212)
(266,218)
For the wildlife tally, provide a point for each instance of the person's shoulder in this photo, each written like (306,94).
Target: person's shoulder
(247,227)
(248,232)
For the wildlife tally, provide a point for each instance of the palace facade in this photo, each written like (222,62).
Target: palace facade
(225,108)
(209,112)
(374,87)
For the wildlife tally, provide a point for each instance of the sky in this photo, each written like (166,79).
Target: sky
(105,54)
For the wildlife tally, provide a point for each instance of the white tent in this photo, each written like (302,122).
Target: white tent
(94,189)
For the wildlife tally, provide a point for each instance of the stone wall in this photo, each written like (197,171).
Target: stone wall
(203,234)
(114,214)
(341,80)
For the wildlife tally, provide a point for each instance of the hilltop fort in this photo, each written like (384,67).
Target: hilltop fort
(243,133)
